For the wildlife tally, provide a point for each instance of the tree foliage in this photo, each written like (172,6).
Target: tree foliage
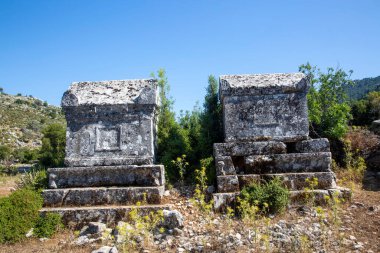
(52,152)
(211,119)
(5,152)
(329,110)
(172,139)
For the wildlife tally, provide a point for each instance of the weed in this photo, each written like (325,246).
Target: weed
(199,198)
(47,225)
(269,197)
(181,165)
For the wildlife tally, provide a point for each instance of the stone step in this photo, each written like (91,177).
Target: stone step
(228,199)
(249,148)
(102,196)
(293,181)
(288,163)
(76,217)
(126,175)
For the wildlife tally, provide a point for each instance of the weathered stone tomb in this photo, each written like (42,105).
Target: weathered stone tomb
(267,135)
(110,152)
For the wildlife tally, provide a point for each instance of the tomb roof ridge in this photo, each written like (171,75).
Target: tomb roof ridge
(263,84)
(112,92)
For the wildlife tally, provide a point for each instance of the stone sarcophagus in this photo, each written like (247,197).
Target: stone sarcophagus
(111,122)
(266,131)
(110,153)
(264,107)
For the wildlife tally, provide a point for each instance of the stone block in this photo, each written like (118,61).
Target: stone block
(102,196)
(110,122)
(224,166)
(224,200)
(265,107)
(228,183)
(314,145)
(77,217)
(249,148)
(246,180)
(293,181)
(127,175)
(288,163)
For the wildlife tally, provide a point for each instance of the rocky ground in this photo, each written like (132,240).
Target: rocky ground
(299,229)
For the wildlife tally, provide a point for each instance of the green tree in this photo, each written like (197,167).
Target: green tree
(5,152)
(52,152)
(329,111)
(172,140)
(190,122)
(211,119)
(374,103)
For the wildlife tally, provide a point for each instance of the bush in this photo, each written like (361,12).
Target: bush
(47,225)
(209,165)
(269,197)
(35,180)
(25,155)
(52,152)
(18,214)
(5,152)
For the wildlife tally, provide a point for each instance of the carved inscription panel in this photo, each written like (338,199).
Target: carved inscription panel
(107,138)
(267,116)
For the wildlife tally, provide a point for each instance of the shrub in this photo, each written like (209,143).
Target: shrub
(199,199)
(47,225)
(269,197)
(35,179)
(209,165)
(52,152)
(5,152)
(18,214)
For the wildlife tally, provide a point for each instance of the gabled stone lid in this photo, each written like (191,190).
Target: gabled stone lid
(263,84)
(115,92)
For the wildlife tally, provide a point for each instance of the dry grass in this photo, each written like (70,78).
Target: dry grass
(7,184)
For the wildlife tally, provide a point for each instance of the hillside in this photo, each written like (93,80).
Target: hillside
(23,118)
(362,87)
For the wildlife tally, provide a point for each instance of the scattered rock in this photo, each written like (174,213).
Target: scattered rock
(172,219)
(93,228)
(30,233)
(106,249)
(210,189)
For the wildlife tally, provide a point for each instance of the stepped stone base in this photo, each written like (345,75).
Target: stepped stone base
(249,148)
(78,216)
(284,163)
(127,175)
(225,199)
(102,196)
(293,181)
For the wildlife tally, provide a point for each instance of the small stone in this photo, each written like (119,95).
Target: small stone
(43,239)
(167,193)
(172,219)
(30,233)
(177,232)
(106,249)
(352,238)
(180,250)
(93,228)
(210,189)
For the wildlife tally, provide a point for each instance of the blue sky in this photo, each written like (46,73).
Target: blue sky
(46,45)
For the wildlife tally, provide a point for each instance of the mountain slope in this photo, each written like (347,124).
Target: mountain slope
(362,87)
(23,118)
